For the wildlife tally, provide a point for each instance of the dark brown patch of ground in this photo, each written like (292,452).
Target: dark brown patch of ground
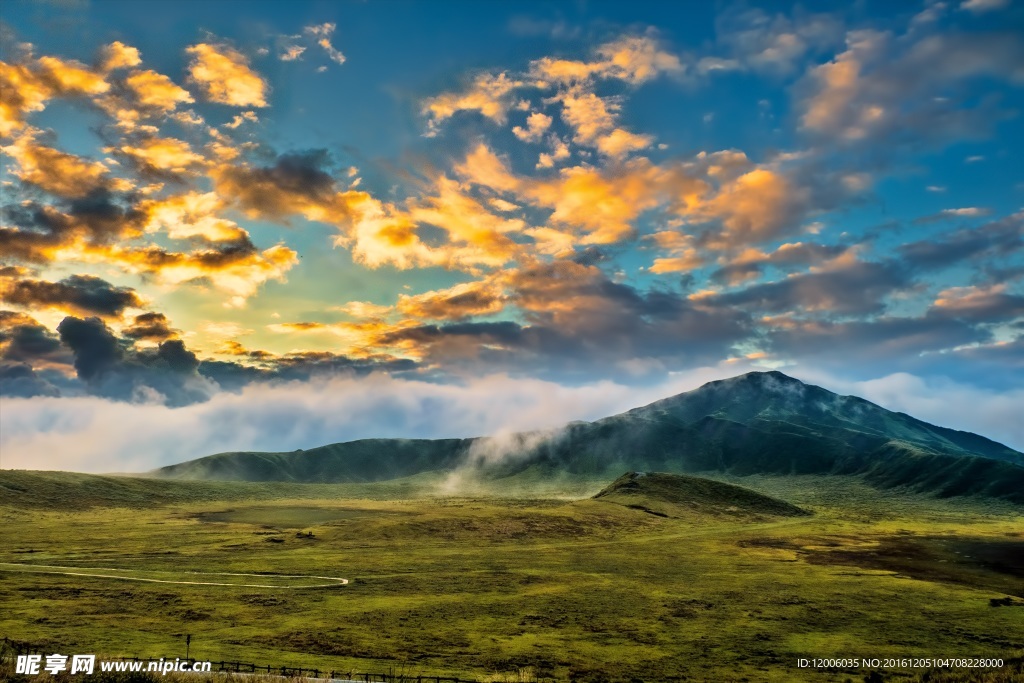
(996,565)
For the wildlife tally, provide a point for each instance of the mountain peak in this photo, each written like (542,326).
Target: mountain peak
(765,378)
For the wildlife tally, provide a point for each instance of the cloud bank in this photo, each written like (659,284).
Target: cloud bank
(91,434)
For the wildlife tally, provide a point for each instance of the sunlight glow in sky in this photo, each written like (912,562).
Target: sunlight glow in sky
(209,198)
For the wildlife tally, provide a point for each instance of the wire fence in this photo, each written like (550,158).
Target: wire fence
(17,647)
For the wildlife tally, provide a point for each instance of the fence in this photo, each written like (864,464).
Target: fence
(20,647)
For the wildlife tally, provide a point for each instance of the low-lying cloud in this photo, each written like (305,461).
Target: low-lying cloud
(92,434)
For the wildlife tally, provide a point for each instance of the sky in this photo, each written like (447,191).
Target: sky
(260,225)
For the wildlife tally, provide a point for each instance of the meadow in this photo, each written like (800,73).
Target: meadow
(479,584)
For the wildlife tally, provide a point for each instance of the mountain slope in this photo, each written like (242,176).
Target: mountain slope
(761,422)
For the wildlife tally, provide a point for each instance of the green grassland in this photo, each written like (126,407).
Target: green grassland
(477,582)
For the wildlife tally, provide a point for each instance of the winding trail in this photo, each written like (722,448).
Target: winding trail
(46,569)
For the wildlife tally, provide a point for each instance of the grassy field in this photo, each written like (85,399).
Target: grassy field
(511,588)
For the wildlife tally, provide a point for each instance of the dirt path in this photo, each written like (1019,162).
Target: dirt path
(84,571)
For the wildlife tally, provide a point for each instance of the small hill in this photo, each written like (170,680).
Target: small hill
(679,495)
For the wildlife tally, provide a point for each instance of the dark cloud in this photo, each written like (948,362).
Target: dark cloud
(97,351)
(24,340)
(37,362)
(788,254)
(111,367)
(83,293)
(996,239)
(32,231)
(576,321)
(978,305)
(294,182)
(152,326)
(19,380)
(301,366)
(857,288)
(232,376)
(173,354)
(871,347)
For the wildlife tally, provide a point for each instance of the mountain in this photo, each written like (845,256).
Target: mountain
(757,423)
(679,495)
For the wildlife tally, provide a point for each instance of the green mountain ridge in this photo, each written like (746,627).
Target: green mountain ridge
(757,423)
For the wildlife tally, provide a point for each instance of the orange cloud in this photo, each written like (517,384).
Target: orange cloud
(21,92)
(637,59)
(683,256)
(57,172)
(488,94)
(191,215)
(484,167)
(224,76)
(155,90)
(600,203)
(536,124)
(69,77)
(633,59)
(620,142)
(475,235)
(237,269)
(363,309)
(117,55)
(758,205)
(455,303)
(593,120)
(380,233)
(163,155)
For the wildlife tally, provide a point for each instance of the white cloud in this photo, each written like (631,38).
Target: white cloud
(979,6)
(91,434)
(95,435)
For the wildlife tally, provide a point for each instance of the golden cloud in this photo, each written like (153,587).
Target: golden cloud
(22,91)
(238,269)
(455,303)
(69,77)
(633,59)
(380,233)
(683,257)
(536,124)
(117,55)
(602,204)
(590,116)
(488,94)
(57,172)
(483,167)
(192,214)
(593,118)
(155,90)
(224,76)
(163,155)
(620,142)
(758,205)
(637,59)
(363,309)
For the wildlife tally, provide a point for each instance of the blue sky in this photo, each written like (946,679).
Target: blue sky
(205,202)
